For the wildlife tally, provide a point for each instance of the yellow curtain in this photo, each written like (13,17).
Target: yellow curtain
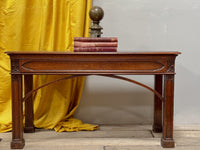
(43,25)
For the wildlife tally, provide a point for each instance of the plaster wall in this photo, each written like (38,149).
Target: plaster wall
(147,25)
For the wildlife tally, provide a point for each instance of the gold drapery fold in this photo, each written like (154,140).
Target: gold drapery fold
(43,25)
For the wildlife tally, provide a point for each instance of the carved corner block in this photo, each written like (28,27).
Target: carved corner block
(171,65)
(14,66)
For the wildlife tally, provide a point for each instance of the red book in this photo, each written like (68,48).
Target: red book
(95,44)
(98,39)
(95,49)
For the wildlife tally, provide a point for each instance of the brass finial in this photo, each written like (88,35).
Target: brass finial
(96,14)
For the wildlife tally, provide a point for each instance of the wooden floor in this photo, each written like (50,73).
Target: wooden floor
(123,137)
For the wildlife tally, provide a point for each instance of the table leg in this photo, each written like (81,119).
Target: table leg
(17,112)
(29,115)
(167,140)
(157,122)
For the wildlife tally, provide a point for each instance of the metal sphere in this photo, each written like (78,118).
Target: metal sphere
(96,13)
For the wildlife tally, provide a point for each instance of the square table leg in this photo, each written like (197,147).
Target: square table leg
(29,115)
(157,122)
(17,112)
(167,140)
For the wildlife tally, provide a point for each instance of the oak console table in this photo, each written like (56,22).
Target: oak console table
(27,64)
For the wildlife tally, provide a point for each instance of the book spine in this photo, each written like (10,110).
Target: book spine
(100,39)
(95,49)
(95,44)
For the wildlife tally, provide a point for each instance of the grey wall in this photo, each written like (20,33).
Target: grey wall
(147,25)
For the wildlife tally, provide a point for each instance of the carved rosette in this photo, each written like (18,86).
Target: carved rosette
(14,66)
(170,65)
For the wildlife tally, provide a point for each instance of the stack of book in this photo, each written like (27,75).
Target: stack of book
(100,44)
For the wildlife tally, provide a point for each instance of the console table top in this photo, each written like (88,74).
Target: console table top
(96,53)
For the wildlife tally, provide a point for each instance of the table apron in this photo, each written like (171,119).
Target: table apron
(92,67)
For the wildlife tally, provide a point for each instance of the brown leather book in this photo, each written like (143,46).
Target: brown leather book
(99,39)
(95,44)
(95,49)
